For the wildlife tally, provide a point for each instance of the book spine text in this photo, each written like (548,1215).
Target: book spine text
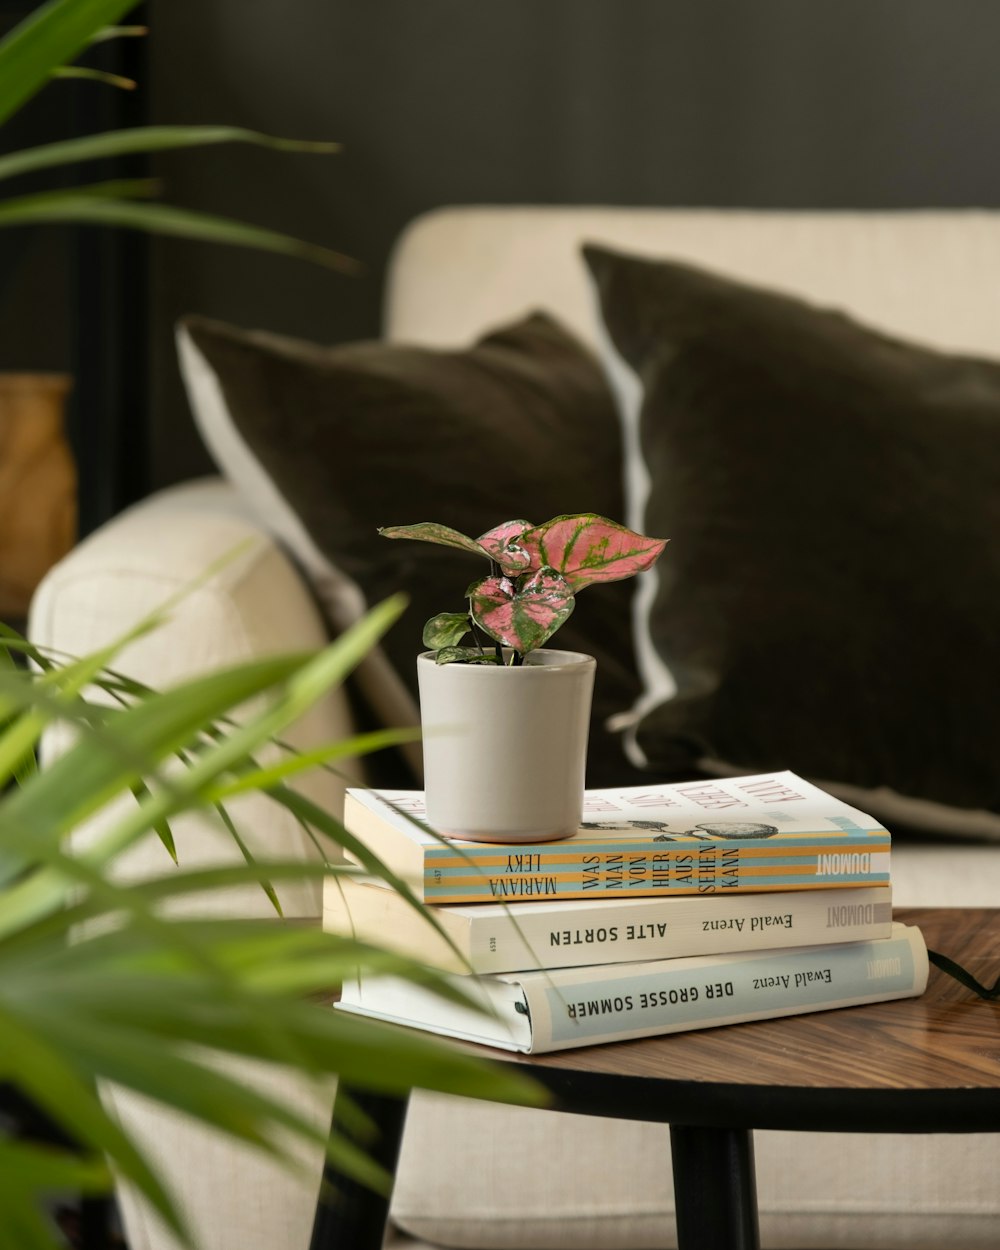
(637,1000)
(706,869)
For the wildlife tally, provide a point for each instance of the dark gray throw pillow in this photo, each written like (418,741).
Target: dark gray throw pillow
(832,599)
(356,436)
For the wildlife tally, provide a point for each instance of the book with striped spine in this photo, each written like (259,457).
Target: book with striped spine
(767,832)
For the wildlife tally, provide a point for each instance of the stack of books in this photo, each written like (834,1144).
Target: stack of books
(673,907)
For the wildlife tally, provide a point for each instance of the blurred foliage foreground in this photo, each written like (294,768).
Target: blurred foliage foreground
(99,981)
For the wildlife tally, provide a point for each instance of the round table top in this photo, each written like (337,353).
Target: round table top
(927,1064)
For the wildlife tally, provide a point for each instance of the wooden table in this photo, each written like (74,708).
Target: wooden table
(923,1065)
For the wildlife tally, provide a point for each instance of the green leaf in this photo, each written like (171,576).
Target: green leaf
(116,143)
(113,189)
(447,629)
(348,748)
(177,1079)
(318,818)
(80,782)
(141,794)
(244,850)
(97,1003)
(25,1225)
(49,37)
(118,32)
(431,532)
(43,1072)
(27,1170)
(49,1167)
(95,75)
(313,815)
(140,1002)
(96,768)
(465,655)
(17,744)
(20,769)
(326,1041)
(81,208)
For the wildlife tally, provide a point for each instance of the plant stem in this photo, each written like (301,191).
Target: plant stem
(475,635)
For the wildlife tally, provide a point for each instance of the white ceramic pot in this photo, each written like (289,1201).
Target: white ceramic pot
(505,748)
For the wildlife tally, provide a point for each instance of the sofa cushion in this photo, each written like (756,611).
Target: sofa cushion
(333,442)
(830,601)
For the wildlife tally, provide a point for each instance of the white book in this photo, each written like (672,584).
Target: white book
(558,1009)
(499,937)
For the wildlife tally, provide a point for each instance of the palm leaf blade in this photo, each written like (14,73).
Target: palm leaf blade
(83,208)
(144,139)
(47,38)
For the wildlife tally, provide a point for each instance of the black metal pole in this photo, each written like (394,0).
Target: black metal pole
(349,1214)
(714,1188)
(95,1222)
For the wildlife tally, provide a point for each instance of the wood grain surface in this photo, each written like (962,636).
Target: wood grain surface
(918,1064)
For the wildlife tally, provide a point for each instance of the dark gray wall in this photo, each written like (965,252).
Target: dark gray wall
(34,263)
(785,103)
(74,300)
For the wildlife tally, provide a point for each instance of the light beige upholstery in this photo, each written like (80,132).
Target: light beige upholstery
(925,275)
(473,1176)
(253,604)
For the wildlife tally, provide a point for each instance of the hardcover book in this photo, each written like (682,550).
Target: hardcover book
(558,1009)
(509,937)
(771,831)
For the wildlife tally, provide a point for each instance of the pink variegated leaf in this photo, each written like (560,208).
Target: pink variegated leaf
(587,548)
(524,616)
(503,545)
(431,532)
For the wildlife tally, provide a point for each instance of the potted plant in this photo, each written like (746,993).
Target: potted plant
(505,719)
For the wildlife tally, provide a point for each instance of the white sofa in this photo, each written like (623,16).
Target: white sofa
(470,1175)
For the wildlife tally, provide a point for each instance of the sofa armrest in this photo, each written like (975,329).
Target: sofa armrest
(252,603)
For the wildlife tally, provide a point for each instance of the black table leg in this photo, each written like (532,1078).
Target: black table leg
(714,1188)
(95,1222)
(349,1214)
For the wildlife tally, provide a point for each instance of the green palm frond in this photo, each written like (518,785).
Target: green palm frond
(98,982)
(49,37)
(144,139)
(43,46)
